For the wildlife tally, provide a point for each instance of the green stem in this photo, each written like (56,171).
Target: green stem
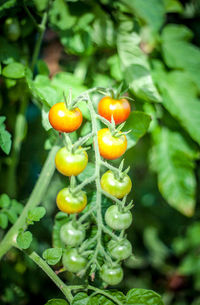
(34,200)
(20,126)
(45,267)
(42,27)
(119,202)
(83,184)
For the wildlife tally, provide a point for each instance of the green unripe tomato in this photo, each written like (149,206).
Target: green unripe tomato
(120,250)
(72,236)
(73,261)
(12,29)
(118,220)
(112,275)
(115,187)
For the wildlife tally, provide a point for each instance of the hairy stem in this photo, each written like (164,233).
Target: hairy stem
(45,267)
(34,200)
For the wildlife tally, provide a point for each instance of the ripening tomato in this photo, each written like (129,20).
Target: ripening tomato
(71,203)
(65,120)
(71,164)
(72,236)
(111,147)
(73,261)
(112,275)
(120,250)
(116,219)
(119,109)
(115,187)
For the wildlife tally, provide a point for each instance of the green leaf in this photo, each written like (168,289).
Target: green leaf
(12,215)
(14,70)
(179,53)
(36,214)
(81,298)
(4,201)
(5,137)
(190,264)
(40,4)
(138,122)
(3,220)
(135,68)
(52,255)
(56,302)
(7,4)
(8,52)
(87,173)
(180,99)
(152,12)
(115,68)
(16,206)
(60,16)
(42,68)
(173,6)
(143,297)
(24,239)
(173,160)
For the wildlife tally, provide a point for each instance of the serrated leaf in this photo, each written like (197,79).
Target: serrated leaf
(138,122)
(7,4)
(41,4)
(3,220)
(52,255)
(143,297)
(16,206)
(24,239)
(56,302)
(173,6)
(42,67)
(12,215)
(14,70)
(36,214)
(81,298)
(60,16)
(173,160)
(5,137)
(152,12)
(4,201)
(135,67)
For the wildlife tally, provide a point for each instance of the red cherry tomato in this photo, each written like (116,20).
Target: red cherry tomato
(120,109)
(65,120)
(111,147)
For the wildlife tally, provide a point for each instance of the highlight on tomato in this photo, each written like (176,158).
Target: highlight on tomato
(63,119)
(111,147)
(70,203)
(69,163)
(116,187)
(118,108)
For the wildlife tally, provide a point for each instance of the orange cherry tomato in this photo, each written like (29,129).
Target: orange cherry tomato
(111,147)
(71,203)
(120,109)
(65,120)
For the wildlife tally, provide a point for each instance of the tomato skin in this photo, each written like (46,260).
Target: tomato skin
(65,120)
(115,187)
(73,261)
(70,164)
(72,236)
(111,147)
(12,29)
(70,203)
(117,220)
(120,250)
(119,108)
(111,275)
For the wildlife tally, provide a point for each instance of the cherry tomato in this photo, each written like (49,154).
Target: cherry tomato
(71,235)
(115,187)
(120,109)
(12,29)
(111,275)
(120,249)
(111,147)
(65,120)
(71,203)
(118,220)
(70,164)
(73,261)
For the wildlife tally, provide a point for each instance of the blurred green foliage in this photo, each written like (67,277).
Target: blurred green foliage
(153,47)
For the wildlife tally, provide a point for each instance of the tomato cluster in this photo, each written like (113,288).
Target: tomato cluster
(112,144)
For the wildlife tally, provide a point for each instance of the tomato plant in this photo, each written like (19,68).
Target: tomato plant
(118,108)
(111,147)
